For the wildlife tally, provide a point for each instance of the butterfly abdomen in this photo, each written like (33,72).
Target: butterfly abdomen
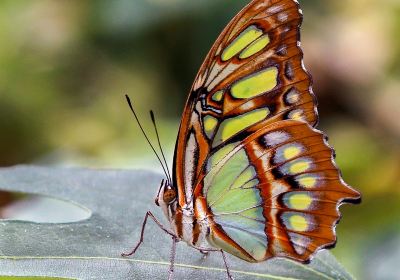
(191,224)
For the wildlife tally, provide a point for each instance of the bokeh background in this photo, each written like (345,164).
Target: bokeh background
(66,65)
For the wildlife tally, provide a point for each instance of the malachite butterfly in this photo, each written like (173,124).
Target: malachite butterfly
(251,175)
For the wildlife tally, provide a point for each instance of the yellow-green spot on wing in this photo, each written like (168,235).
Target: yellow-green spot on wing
(218,96)
(210,123)
(298,201)
(230,127)
(307,181)
(255,47)
(241,42)
(291,152)
(256,84)
(298,223)
(299,166)
(288,152)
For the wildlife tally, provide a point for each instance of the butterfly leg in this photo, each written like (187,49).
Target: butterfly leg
(206,251)
(226,266)
(172,258)
(149,214)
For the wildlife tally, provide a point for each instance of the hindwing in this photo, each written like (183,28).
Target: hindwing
(276,193)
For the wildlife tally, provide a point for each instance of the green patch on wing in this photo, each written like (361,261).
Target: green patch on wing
(229,183)
(231,193)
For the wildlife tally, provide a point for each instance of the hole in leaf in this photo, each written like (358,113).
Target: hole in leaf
(35,208)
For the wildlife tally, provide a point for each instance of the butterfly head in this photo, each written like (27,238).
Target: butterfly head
(166,196)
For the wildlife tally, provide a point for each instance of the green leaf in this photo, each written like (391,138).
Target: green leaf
(90,249)
(31,278)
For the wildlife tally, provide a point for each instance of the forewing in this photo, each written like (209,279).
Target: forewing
(276,193)
(253,76)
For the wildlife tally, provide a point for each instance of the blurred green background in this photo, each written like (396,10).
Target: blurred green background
(66,65)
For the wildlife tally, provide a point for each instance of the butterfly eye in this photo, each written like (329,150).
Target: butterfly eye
(169,196)
(156,201)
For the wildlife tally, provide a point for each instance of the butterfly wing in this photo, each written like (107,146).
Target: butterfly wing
(252,76)
(279,197)
(276,193)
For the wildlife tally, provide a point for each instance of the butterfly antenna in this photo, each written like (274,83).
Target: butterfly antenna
(145,135)
(153,119)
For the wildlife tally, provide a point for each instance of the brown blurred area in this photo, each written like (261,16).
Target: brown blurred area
(66,66)
(5,199)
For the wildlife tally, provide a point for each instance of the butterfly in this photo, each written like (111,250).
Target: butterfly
(252,176)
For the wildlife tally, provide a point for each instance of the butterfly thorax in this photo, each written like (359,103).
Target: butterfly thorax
(189,221)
